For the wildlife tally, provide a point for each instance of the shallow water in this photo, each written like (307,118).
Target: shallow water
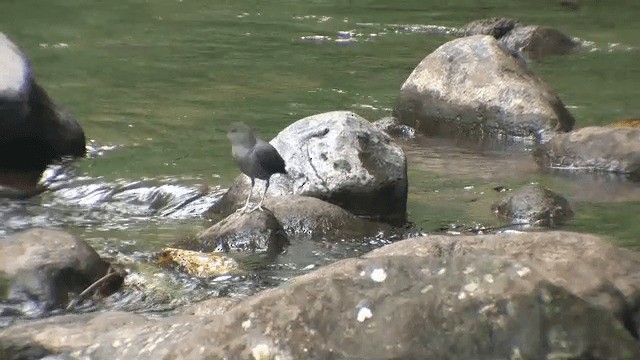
(155,82)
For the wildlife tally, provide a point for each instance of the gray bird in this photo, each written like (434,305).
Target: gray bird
(255,157)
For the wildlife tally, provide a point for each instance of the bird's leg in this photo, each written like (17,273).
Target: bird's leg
(259,207)
(246,204)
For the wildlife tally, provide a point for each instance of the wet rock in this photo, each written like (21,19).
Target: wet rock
(608,149)
(34,132)
(626,123)
(534,204)
(587,266)
(308,217)
(338,157)
(496,27)
(197,263)
(535,42)
(474,86)
(45,266)
(427,298)
(392,126)
(258,231)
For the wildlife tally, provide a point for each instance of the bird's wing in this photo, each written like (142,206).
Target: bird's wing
(268,157)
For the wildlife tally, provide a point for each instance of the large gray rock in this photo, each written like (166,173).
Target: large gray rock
(338,157)
(591,268)
(534,205)
(528,296)
(535,42)
(472,85)
(45,267)
(594,148)
(34,132)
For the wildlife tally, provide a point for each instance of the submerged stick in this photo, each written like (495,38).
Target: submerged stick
(84,294)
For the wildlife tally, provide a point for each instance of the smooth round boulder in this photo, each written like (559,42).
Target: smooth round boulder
(34,132)
(474,86)
(338,157)
(258,231)
(44,267)
(594,148)
(534,205)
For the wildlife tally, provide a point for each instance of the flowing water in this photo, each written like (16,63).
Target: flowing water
(154,83)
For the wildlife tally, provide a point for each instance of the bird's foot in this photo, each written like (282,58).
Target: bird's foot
(245,209)
(258,207)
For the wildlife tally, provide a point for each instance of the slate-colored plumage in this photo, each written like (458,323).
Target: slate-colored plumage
(255,157)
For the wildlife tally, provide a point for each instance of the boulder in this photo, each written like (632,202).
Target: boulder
(524,296)
(287,216)
(474,86)
(535,205)
(585,265)
(535,42)
(338,157)
(258,231)
(312,218)
(608,149)
(34,132)
(45,267)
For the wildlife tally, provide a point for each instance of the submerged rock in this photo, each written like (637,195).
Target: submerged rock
(46,267)
(197,263)
(608,149)
(534,205)
(531,295)
(393,127)
(474,86)
(338,157)
(534,41)
(34,132)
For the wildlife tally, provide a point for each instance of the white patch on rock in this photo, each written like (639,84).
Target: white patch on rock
(468,270)
(378,275)
(261,352)
(462,295)
(523,271)
(488,278)
(485,308)
(442,271)
(426,289)
(471,287)
(246,324)
(363,314)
